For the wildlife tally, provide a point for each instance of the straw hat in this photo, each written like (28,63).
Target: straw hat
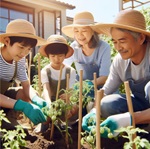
(81,19)
(21,28)
(126,19)
(53,40)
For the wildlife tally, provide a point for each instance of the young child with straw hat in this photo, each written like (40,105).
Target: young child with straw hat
(56,49)
(16,43)
(132,41)
(54,74)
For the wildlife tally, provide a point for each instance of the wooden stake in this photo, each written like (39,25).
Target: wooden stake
(57,93)
(80,109)
(100,94)
(29,66)
(39,74)
(67,88)
(59,81)
(95,84)
(67,101)
(130,106)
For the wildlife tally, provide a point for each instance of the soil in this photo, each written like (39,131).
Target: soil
(39,140)
(42,140)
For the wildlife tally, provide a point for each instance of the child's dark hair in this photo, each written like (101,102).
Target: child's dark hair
(56,48)
(24,40)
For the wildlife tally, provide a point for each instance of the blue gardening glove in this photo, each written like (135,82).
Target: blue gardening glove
(115,122)
(89,120)
(32,111)
(41,103)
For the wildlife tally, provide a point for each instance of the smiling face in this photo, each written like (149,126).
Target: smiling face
(83,35)
(127,45)
(15,51)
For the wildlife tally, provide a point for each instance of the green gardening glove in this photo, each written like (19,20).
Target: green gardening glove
(115,122)
(41,103)
(32,111)
(89,120)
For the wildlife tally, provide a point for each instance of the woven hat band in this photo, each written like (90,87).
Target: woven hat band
(83,21)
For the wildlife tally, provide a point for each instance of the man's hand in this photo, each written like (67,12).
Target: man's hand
(89,120)
(32,111)
(115,122)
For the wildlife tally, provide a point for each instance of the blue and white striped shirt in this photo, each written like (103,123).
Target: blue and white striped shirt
(7,70)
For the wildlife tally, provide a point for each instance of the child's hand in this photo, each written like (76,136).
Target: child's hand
(73,111)
(63,97)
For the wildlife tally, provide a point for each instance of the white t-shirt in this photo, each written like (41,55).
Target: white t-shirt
(55,74)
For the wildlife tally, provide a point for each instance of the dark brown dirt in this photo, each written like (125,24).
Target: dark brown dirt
(42,140)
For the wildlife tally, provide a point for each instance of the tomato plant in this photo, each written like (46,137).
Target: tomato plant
(13,139)
(87,93)
(139,142)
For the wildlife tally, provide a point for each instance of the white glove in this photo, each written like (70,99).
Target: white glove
(115,122)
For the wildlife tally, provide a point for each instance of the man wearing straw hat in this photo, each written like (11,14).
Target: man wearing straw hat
(132,63)
(16,43)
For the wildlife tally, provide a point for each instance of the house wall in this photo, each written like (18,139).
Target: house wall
(47,17)
(49,25)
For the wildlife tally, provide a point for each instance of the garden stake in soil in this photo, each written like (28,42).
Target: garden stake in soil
(29,67)
(57,93)
(99,96)
(67,99)
(130,106)
(39,74)
(80,109)
(95,84)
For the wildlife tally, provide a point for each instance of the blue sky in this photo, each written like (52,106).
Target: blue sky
(102,10)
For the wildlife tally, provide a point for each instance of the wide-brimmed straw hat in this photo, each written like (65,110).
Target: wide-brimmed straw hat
(81,19)
(126,19)
(21,28)
(53,40)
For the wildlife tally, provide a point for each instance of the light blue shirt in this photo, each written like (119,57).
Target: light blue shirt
(101,57)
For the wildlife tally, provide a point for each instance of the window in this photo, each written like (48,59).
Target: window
(8,14)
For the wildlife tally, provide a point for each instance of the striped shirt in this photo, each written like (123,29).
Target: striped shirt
(7,70)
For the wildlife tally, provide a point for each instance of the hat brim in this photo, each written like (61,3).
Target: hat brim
(105,28)
(68,30)
(43,53)
(40,41)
